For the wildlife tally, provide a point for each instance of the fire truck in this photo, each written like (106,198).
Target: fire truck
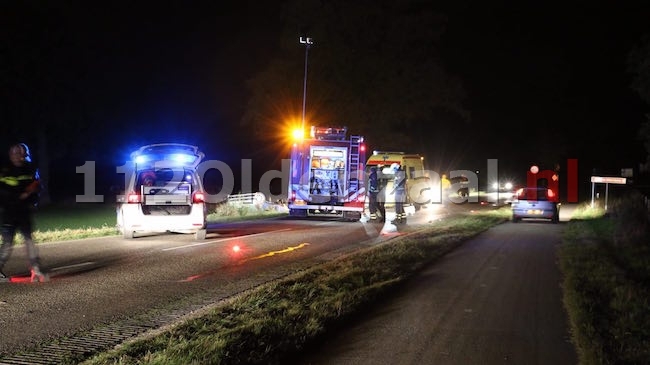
(327,175)
(418,185)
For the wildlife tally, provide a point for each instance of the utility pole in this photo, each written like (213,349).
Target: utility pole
(307,42)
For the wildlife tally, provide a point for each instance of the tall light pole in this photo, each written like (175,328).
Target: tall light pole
(307,42)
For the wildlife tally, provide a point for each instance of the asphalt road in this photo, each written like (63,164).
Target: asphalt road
(97,282)
(494,300)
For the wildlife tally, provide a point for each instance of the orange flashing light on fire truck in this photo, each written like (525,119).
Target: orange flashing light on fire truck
(327,174)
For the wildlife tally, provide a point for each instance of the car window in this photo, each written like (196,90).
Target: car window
(164,177)
(532,194)
(411,172)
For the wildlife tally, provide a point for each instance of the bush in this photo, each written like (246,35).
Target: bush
(632,220)
(606,266)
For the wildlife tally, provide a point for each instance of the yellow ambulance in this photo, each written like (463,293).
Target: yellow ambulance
(418,187)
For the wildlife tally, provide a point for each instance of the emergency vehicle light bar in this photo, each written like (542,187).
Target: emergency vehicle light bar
(386,153)
(174,152)
(176,157)
(329,133)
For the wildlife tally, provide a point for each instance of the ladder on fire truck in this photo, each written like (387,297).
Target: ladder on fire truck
(355,145)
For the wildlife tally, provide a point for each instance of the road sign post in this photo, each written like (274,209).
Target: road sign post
(605,180)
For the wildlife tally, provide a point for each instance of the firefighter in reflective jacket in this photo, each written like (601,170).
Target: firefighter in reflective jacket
(400,195)
(19,188)
(376,203)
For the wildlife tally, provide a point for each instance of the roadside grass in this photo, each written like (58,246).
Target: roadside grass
(231,213)
(61,222)
(273,322)
(86,216)
(605,259)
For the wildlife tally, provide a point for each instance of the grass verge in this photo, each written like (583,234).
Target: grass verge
(606,264)
(231,213)
(76,221)
(273,321)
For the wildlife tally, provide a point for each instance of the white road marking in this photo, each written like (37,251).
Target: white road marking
(222,240)
(72,266)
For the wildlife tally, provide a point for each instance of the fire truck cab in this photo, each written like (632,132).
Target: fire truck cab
(327,175)
(418,185)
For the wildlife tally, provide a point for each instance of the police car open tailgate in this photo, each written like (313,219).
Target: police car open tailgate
(180,194)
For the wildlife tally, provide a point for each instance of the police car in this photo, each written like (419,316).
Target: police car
(163,192)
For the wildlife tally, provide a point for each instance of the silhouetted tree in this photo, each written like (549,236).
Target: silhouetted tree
(639,65)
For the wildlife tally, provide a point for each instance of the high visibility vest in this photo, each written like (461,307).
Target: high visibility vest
(400,181)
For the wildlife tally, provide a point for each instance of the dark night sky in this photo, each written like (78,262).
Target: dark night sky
(537,77)
(551,73)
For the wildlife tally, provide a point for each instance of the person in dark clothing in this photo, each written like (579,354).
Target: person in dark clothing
(19,189)
(381,200)
(376,198)
(400,195)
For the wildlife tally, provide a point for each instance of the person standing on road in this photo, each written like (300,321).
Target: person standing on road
(19,189)
(376,196)
(400,195)
(373,190)
(381,200)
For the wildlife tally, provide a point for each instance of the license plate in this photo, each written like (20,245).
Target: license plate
(535,211)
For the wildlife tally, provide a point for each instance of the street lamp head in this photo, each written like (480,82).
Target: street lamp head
(306,40)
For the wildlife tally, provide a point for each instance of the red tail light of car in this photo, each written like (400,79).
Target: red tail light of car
(198,197)
(550,194)
(133,198)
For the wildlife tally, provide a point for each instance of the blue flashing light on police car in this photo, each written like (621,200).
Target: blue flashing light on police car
(141,159)
(182,158)
(175,153)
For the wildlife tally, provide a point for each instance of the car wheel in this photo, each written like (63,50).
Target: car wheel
(516,219)
(200,234)
(128,234)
